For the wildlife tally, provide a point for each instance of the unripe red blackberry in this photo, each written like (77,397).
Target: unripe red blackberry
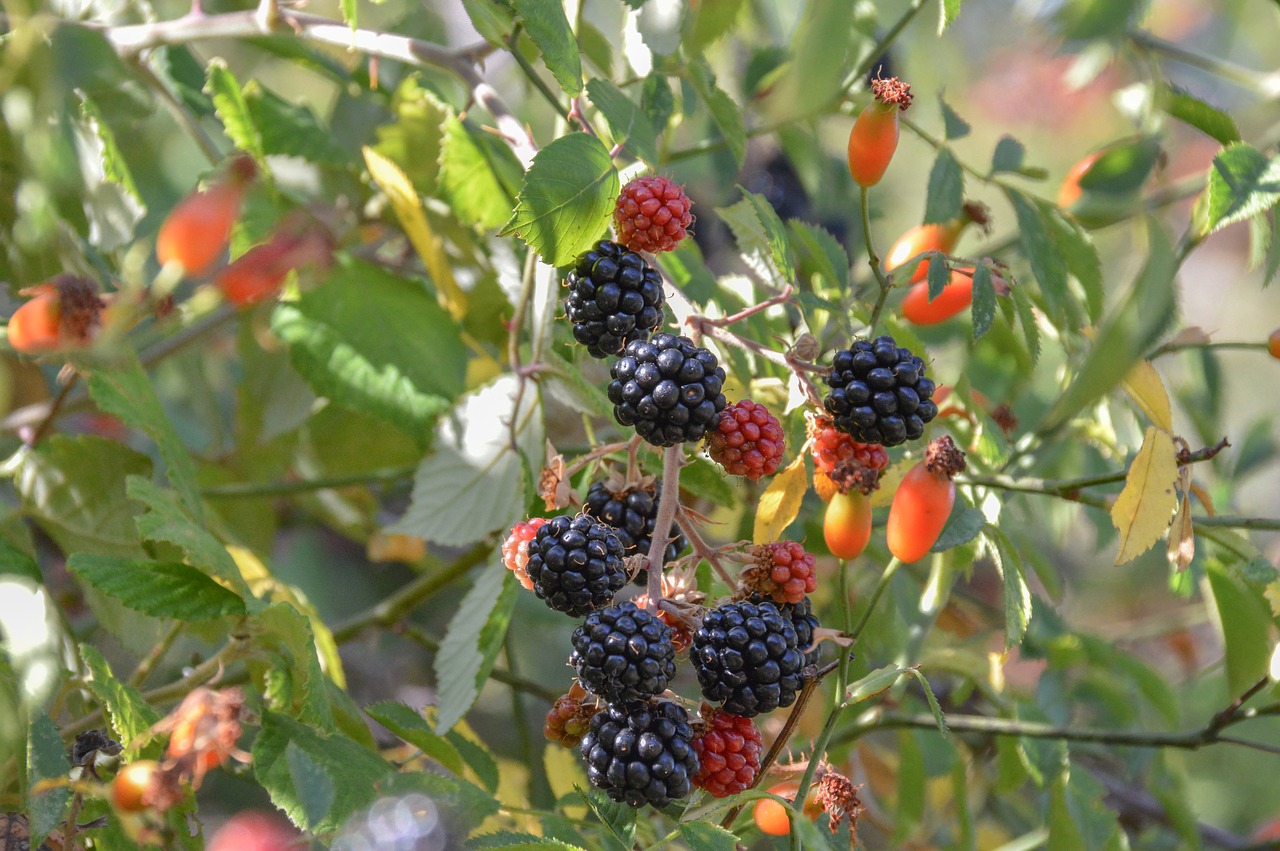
(576,564)
(624,654)
(570,717)
(641,753)
(783,570)
(748,440)
(879,392)
(746,657)
(668,388)
(832,448)
(515,549)
(728,748)
(652,214)
(614,297)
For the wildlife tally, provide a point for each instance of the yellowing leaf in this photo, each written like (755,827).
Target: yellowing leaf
(1141,513)
(780,502)
(1182,539)
(1143,384)
(1272,593)
(404,200)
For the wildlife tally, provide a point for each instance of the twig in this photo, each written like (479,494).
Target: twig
(701,549)
(779,298)
(162,646)
(668,502)
(873,260)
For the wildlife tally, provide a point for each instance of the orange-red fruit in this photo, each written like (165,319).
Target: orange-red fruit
(652,214)
(775,819)
(254,830)
(728,754)
(196,232)
(922,238)
(874,136)
(130,789)
(34,327)
(919,511)
(846,527)
(747,441)
(831,447)
(261,271)
(1273,344)
(956,295)
(64,312)
(1069,192)
(515,549)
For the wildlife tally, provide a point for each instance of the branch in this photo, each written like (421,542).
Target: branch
(668,502)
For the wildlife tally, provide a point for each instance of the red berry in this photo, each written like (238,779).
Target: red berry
(748,440)
(846,525)
(783,570)
(923,502)
(652,214)
(196,232)
(728,753)
(261,271)
(570,717)
(65,312)
(956,295)
(256,831)
(874,137)
(515,550)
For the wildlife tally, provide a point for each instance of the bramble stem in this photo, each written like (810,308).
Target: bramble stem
(873,260)
(162,646)
(239,490)
(889,570)
(668,502)
(700,547)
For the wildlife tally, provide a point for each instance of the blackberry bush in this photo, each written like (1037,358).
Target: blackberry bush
(668,388)
(747,658)
(641,753)
(575,564)
(615,297)
(622,653)
(879,393)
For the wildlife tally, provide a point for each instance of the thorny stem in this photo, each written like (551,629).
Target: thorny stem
(701,549)
(531,74)
(799,367)
(54,406)
(631,446)
(668,502)
(779,298)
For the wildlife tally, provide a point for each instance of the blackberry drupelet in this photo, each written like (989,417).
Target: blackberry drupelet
(622,653)
(747,658)
(632,512)
(615,297)
(802,619)
(575,564)
(641,753)
(668,388)
(879,393)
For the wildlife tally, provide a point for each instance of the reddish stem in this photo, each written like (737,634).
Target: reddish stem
(668,502)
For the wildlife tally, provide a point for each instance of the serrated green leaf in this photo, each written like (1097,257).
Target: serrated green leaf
(290,129)
(938,275)
(409,725)
(761,237)
(361,771)
(567,198)
(1243,618)
(818,250)
(961,528)
(1009,155)
(228,100)
(938,717)
(617,817)
(1082,258)
(114,166)
(1047,261)
(472,642)
(74,488)
(414,140)
(705,23)
(566,383)
(158,589)
(954,127)
(131,716)
(492,20)
(475,755)
(1243,182)
(477,174)
(125,391)
(289,631)
(946,189)
(46,760)
(547,25)
(707,481)
(724,112)
(376,343)
(628,123)
(473,483)
(656,100)
(948,12)
(508,841)
(983,308)
(704,836)
(1209,120)
(1027,319)
(167,520)
(314,785)
(1017,595)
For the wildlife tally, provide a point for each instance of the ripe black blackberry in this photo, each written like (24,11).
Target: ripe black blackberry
(623,654)
(802,618)
(632,512)
(668,388)
(614,297)
(747,658)
(879,392)
(575,564)
(641,753)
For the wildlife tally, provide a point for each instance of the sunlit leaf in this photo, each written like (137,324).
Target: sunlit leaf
(779,505)
(1243,182)
(472,642)
(547,25)
(1141,513)
(1144,386)
(158,589)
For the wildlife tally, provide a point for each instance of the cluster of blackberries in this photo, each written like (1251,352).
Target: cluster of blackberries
(632,513)
(879,392)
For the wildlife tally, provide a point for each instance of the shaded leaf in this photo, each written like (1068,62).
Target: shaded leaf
(617,817)
(131,716)
(961,528)
(1017,595)
(704,836)
(1008,155)
(628,124)
(46,760)
(547,25)
(1190,109)
(472,642)
(167,520)
(779,505)
(314,785)
(934,707)
(477,173)
(158,589)
(15,562)
(1244,620)
(291,129)
(1141,512)
(296,682)
(761,237)
(946,189)
(875,682)
(983,308)
(1041,250)
(409,725)
(724,112)
(954,126)
(508,841)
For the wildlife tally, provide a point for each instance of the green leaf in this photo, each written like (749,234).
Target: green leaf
(1041,250)
(946,189)
(934,707)
(961,528)
(1086,20)
(409,725)
(761,237)
(875,682)
(376,343)
(1243,182)
(109,197)
(628,123)
(953,125)
(1122,167)
(567,198)
(233,111)
(158,589)
(298,684)
(360,770)
(471,644)
(566,383)
(314,785)
(1244,618)
(480,760)
(131,717)
(492,20)
(1009,155)
(1027,319)
(350,10)
(125,391)
(984,301)
(508,841)
(477,173)
(617,817)
(46,760)
(1190,109)
(15,562)
(949,10)
(167,520)
(813,79)
(473,483)
(724,112)
(74,488)
(704,836)
(818,250)
(1081,256)
(938,275)
(1017,595)
(656,100)
(1147,311)
(705,23)
(707,481)
(290,129)
(547,25)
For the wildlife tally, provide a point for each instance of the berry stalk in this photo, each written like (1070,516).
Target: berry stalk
(668,501)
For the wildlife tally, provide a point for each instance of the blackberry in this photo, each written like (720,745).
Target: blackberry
(622,653)
(748,440)
(632,512)
(668,388)
(879,393)
(802,619)
(641,753)
(747,658)
(652,214)
(576,564)
(615,297)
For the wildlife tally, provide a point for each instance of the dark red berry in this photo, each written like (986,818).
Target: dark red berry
(728,748)
(515,549)
(748,441)
(783,571)
(652,214)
